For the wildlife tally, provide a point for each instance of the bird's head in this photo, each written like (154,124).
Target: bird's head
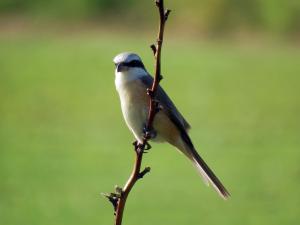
(129,62)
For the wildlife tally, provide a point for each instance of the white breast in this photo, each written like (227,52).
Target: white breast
(127,76)
(131,92)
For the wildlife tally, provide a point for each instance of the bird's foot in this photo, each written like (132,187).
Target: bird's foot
(144,147)
(139,146)
(147,147)
(149,133)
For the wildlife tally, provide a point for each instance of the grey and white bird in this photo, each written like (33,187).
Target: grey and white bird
(132,81)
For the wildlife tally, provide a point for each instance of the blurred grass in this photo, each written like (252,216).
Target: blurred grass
(204,17)
(63,139)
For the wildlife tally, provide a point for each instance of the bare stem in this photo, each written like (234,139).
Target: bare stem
(135,175)
(119,198)
(163,16)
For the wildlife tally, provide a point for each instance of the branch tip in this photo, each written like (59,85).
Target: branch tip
(167,12)
(113,199)
(144,172)
(153,47)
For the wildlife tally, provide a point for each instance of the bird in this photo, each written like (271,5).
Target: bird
(132,82)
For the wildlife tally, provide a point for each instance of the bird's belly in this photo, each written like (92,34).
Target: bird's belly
(134,103)
(135,118)
(135,109)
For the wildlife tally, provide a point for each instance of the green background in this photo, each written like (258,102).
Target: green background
(63,140)
(214,17)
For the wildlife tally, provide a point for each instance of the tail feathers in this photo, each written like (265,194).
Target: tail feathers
(209,175)
(201,172)
(185,145)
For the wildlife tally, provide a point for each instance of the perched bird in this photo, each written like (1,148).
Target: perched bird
(132,81)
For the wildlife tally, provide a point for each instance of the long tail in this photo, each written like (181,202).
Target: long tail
(204,170)
(208,174)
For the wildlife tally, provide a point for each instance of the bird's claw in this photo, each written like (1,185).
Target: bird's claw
(147,147)
(138,146)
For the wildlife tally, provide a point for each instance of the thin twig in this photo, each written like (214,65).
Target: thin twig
(163,16)
(119,198)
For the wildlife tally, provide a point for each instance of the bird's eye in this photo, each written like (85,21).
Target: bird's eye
(135,63)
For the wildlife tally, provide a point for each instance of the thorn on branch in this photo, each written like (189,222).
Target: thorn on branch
(135,143)
(113,198)
(153,47)
(144,172)
(166,15)
(160,77)
(157,2)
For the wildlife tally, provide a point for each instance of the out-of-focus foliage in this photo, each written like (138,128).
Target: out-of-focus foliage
(63,139)
(217,16)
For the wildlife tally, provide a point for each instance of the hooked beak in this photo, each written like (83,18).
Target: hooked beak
(120,67)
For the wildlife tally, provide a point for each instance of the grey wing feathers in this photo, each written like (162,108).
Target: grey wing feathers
(183,126)
(168,105)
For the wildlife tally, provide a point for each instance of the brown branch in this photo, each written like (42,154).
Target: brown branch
(163,16)
(135,175)
(118,199)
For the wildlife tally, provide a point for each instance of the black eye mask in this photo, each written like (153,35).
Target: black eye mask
(134,63)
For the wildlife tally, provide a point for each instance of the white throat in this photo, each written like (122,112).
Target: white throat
(127,76)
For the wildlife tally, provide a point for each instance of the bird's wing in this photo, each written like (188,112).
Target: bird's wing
(172,112)
(167,105)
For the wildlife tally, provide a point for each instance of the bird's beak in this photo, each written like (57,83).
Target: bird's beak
(120,67)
